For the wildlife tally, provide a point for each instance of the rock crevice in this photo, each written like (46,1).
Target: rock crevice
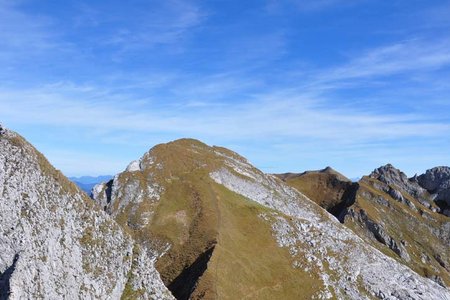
(184,284)
(5,277)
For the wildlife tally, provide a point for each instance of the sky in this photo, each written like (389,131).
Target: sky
(292,85)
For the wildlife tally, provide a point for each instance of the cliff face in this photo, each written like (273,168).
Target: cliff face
(225,230)
(55,243)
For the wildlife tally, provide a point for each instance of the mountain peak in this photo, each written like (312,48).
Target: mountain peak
(187,142)
(328,169)
(389,174)
(385,169)
(195,204)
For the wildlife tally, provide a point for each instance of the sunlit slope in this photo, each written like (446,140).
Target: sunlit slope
(225,230)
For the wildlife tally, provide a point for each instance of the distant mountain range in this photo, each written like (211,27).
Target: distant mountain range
(192,221)
(86,183)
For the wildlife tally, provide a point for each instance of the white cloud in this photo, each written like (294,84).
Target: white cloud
(243,101)
(271,115)
(160,23)
(275,6)
(400,58)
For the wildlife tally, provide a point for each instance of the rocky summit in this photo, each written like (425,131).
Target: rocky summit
(191,221)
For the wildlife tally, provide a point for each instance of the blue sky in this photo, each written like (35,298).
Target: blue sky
(292,85)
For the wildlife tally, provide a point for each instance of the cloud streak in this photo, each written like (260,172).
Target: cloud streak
(22,34)
(161,23)
(271,116)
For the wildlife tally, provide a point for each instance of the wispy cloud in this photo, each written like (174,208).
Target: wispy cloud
(160,23)
(114,74)
(419,67)
(273,116)
(22,34)
(403,57)
(306,5)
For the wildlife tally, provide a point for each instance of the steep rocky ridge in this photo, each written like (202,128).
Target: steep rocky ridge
(56,244)
(398,216)
(224,230)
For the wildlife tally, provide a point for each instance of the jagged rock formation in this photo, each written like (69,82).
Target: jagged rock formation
(394,177)
(225,230)
(56,244)
(437,182)
(398,216)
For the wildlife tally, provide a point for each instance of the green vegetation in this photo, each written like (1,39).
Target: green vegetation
(129,293)
(194,214)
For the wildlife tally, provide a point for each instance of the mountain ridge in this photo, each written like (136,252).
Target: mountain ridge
(199,214)
(218,179)
(387,209)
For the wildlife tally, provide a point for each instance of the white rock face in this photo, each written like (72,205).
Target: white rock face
(54,244)
(133,166)
(130,188)
(350,269)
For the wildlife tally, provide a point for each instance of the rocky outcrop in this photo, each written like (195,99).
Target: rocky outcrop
(435,179)
(392,176)
(437,182)
(55,243)
(380,234)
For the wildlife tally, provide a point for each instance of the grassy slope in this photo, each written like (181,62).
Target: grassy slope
(325,187)
(194,213)
(247,263)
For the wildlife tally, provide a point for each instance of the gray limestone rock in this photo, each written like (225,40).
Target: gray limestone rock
(55,243)
(396,195)
(434,178)
(437,182)
(383,237)
(392,176)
